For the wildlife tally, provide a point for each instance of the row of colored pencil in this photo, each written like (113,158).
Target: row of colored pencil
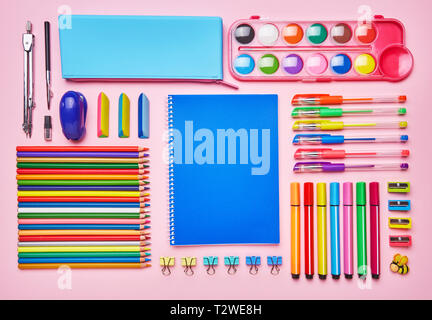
(84,207)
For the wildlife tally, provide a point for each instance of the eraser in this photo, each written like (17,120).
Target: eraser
(143,117)
(124,116)
(103,116)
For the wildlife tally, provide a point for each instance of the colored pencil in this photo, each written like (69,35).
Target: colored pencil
(81,232)
(81,254)
(82,221)
(81,243)
(79,204)
(82,215)
(83,154)
(83,160)
(80,210)
(82,148)
(82,193)
(85,260)
(107,227)
(80,171)
(80,177)
(82,188)
(81,249)
(83,265)
(50,165)
(83,199)
(80,182)
(83,238)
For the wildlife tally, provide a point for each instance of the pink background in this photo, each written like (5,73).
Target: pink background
(150,283)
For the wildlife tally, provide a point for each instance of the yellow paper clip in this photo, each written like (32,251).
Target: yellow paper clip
(399,223)
(188,263)
(166,263)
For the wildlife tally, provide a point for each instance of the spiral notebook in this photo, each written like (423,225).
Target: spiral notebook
(224,185)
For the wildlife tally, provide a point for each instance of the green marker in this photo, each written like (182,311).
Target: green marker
(361,229)
(315,112)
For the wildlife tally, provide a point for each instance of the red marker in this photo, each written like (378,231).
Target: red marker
(309,230)
(374,229)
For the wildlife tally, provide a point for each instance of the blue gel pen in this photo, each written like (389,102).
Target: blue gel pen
(339,139)
(334,230)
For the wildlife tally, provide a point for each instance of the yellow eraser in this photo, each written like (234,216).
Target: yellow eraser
(103,116)
(124,116)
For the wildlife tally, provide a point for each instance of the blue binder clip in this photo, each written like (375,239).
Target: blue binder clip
(274,262)
(253,262)
(399,205)
(211,262)
(232,262)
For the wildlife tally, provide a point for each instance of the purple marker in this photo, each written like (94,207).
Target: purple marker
(339,167)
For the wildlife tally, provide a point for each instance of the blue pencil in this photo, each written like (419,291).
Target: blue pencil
(78,204)
(83,260)
(334,230)
(80,188)
(81,227)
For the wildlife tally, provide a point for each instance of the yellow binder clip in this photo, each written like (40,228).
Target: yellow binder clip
(166,263)
(188,263)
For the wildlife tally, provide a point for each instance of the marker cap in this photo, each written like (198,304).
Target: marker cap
(295,194)
(374,193)
(308,194)
(361,193)
(334,194)
(321,194)
(348,193)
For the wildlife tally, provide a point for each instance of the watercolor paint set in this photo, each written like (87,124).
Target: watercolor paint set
(318,50)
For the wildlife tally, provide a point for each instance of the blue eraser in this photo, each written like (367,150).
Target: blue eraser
(143,117)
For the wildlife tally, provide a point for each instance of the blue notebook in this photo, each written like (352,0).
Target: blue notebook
(141,47)
(224,184)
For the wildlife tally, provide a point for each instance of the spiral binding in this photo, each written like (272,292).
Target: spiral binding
(171,171)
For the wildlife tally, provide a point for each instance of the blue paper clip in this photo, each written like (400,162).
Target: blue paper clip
(210,262)
(232,262)
(253,262)
(274,262)
(399,205)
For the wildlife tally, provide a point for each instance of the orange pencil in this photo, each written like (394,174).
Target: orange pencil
(295,230)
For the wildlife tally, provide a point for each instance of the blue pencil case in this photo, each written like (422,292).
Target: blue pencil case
(157,48)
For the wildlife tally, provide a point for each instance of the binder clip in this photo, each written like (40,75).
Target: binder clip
(188,263)
(253,262)
(274,262)
(231,262)
(210,262)
(399,223)
(166,263)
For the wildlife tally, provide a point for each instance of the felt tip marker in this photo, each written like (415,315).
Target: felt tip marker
(334,230)
(322,230)
(374,229)
(309,229)
(295,230)
(348,230)
(361,229)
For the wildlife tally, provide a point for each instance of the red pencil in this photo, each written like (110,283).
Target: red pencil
(84,238)
(82,171)
(82,148)
(309,229)
(83,199)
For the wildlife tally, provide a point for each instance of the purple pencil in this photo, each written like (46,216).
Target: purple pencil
(84,154)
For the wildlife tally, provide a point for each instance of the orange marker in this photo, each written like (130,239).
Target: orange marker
(295,230)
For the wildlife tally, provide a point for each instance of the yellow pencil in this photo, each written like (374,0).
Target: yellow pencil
(82,160)
(82,232)
(82,249)
(81,177)
(76,193)
(121,265)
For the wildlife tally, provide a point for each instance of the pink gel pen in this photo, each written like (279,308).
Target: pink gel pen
(348,230)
